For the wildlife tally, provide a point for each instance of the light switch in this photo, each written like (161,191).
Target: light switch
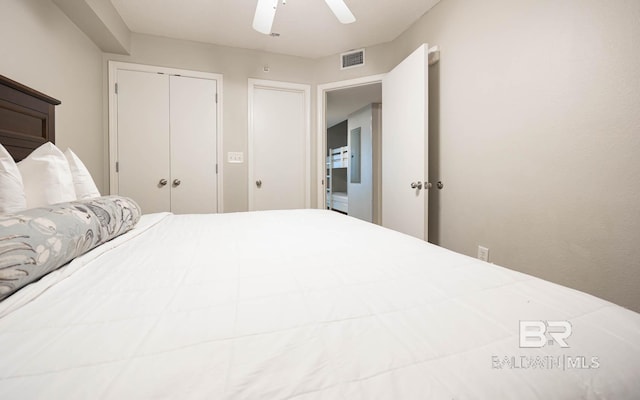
(235,157)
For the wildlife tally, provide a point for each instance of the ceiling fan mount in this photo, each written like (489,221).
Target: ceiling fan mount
(266,12)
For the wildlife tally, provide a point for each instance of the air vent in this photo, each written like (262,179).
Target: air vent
(352,59)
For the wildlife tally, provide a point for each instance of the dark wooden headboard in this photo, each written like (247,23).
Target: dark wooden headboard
(27,118)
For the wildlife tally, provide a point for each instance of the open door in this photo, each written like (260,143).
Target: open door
(405,145)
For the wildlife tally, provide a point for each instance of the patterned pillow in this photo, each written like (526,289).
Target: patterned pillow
(37,241)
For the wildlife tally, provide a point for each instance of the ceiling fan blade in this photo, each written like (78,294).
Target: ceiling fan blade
(265,13)
(341,11)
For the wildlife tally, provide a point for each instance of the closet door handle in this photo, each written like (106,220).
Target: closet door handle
(259,183)
(417,185)
(176,182)
(162,182)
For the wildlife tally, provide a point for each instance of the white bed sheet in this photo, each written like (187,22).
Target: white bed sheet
(254,306)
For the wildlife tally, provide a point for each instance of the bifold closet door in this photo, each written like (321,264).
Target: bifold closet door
(193,145)
(143,139)
(167,141)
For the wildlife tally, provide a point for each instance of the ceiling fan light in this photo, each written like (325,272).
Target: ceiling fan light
(265,13)
(341,11)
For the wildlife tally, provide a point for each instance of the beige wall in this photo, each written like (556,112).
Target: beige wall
(41,48)
(535,133)
(538,125)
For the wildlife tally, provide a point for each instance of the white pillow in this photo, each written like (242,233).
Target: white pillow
(84,185)
(46,177)
(12,197)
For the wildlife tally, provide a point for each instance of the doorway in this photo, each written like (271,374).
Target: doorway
(352,151)
(404,145)
(335,102)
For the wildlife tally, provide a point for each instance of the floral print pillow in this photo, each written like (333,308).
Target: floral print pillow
(40,240)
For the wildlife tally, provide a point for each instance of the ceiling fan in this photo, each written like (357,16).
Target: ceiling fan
(266,12)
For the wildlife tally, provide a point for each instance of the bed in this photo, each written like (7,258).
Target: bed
(338,159)
(340,202)
(304,304)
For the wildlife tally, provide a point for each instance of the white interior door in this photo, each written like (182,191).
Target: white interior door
(404,145)
(360,172)
(278,145)
(193,145)
(143,139)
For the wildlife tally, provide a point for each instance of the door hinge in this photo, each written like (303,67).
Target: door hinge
(117,166)
(116,85)
(216,168)
(216,98)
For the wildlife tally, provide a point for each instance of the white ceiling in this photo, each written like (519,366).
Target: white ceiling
(341,103)
(307,28)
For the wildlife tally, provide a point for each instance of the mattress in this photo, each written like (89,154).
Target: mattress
(340,202)
(340,196)
(254,306)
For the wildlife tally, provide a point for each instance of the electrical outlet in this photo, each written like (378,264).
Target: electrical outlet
(236,157)
(483,253)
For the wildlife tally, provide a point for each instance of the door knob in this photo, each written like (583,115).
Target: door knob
(176,182)
(416,185)
(162,182)
(439,185)
(259,183)
(428,185)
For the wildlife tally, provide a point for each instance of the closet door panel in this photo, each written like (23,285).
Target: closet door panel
(193,145)
(278,151)
(143,139)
